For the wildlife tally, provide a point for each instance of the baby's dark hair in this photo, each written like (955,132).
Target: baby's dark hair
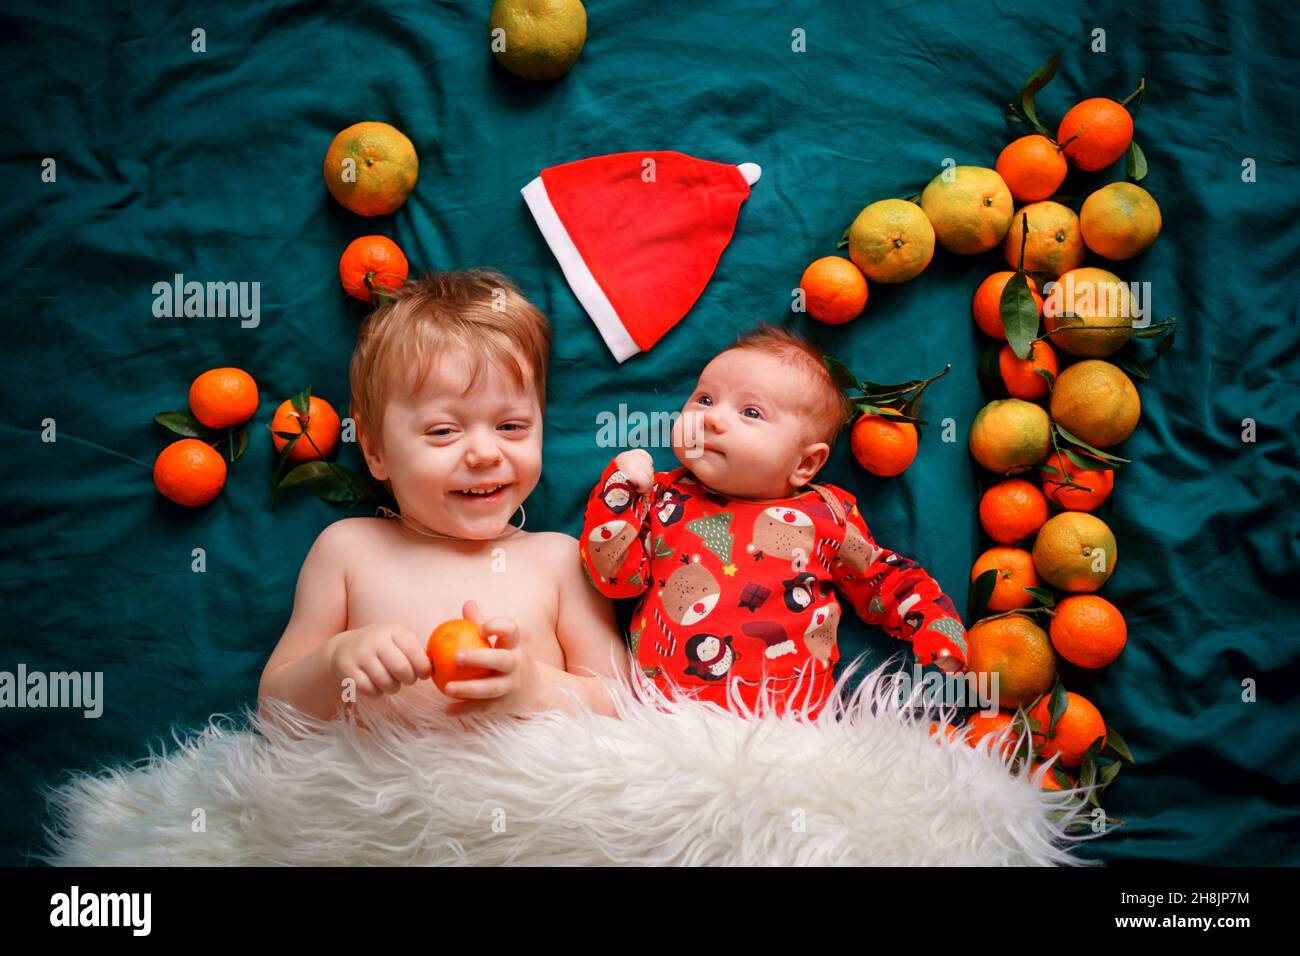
(831,408)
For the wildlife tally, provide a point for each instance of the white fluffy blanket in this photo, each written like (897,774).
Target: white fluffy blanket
(684,783)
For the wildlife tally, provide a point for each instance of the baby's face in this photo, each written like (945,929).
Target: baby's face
(461,462)
(745,430)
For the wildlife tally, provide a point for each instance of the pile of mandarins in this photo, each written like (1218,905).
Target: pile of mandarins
(1060,400)
(191,471)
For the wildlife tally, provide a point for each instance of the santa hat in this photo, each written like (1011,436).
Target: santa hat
(638,235)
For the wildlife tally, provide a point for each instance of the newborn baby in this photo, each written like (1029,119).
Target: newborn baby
(736,555)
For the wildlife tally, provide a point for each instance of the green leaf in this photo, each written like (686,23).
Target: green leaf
(1108,774)
(282,460)
(1050,472)
(1133,367)
(1087,770)
(990,377)
(1087,464)
(1135,162)
(841,374)
(1104,455)
(302,401)
(907,386)
(912,410)
(1051,379)
(1116,746)
(1045,597)
(885,395)
(1037,80)
(183,423)
(1056,707)
(844,239)
(1166,342)
(981,590)
(876,389)
(1019,311)
(903,398)
(867,408)
(238,444)
(901,414)
(329,482)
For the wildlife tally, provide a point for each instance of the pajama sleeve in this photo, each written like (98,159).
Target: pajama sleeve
(612,545)
(898,595)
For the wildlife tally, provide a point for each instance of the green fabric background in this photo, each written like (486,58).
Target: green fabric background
(210,165)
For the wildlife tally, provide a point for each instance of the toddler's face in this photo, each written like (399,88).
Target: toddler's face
(745,430)
(461,462)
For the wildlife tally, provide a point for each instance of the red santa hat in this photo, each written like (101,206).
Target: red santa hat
(638,235)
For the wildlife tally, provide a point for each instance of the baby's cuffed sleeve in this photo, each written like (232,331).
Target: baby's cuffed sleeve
(612,546)
(898,595)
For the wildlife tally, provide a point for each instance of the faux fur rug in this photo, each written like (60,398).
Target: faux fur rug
(678,783)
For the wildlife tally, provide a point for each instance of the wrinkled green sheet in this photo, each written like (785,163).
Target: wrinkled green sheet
(208,164)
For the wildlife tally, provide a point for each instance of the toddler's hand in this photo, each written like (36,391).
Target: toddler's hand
(516,686)
(381,658)
(639,466)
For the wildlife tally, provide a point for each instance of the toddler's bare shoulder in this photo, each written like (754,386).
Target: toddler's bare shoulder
(555,544)
(345,534)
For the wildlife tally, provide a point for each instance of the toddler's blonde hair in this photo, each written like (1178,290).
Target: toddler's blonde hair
(478,310)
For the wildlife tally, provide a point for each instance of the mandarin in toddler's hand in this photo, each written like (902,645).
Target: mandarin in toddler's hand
(445,641)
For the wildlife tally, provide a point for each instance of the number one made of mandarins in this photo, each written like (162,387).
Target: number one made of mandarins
(444,642)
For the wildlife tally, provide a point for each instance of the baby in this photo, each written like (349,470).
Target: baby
(448,391)
(735,554)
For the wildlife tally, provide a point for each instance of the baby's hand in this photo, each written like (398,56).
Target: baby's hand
(381,658)
(639,467)
(516,687)
(949,664)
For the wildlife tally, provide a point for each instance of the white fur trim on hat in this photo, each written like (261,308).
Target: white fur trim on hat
(583,283)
